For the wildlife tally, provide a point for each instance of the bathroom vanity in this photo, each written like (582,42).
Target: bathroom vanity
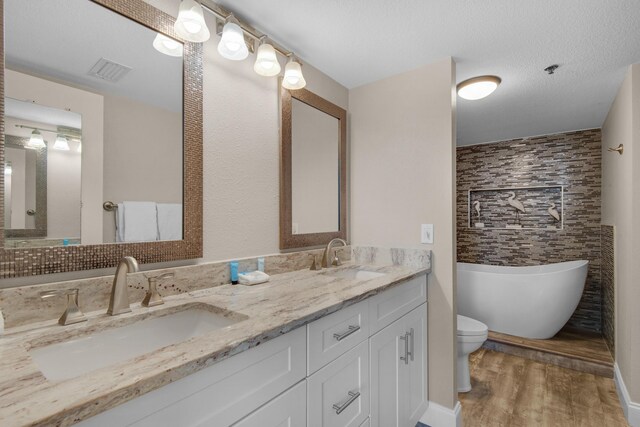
(344,346)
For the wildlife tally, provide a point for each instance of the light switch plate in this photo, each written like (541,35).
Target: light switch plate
(426,234)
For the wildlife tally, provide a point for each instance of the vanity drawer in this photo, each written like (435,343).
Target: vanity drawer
(289,409)
(220,394)
(333,335)
(338,394)
(387,307)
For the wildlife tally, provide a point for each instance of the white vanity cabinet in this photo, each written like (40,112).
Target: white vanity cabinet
(364,365)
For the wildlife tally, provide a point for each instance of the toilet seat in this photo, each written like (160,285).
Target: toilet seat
(471,327)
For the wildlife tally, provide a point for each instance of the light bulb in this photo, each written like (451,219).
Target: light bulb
(36,140)
(61,143)
(266,60)
(190,24)
(232,45)
(478,87)
(293,78)
(166,45)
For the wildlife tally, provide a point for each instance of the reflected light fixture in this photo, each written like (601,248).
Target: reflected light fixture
(232,45)
(293,78)
(190,23)
(478,87)
(61,143)
(79,149)
(167,45)
(36,140)
(266,60)
(7,168)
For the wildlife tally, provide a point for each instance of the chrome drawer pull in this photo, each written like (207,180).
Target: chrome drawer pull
(350,331)
(352,397)
(412,344)
(405,338)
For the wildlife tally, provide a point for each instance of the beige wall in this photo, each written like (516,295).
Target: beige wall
(90,106)
(403,175)
(315,191)
(142,155)
(620,200)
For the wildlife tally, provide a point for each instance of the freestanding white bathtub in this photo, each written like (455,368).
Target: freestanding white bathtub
(530,302)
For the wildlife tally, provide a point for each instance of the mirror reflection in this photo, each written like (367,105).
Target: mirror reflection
(315,170)
(93,121)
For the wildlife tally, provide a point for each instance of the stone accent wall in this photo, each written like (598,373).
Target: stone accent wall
(572,160)
(608,287)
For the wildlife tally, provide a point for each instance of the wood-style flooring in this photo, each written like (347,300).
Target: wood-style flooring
(579,350)
(511,391)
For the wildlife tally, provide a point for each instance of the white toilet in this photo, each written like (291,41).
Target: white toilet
(471,335)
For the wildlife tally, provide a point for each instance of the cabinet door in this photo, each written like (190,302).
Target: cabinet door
(287,410)
(338,394)
(386,349)
(414,392)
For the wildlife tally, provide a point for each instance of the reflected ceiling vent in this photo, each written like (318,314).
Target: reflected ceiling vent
(109,70)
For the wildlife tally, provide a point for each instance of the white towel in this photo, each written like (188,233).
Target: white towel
(140,222)
(169,221)
(120,223)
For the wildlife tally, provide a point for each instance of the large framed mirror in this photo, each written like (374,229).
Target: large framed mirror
(313,170)
(101,143)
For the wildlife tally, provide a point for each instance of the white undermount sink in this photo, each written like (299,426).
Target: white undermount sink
(87,353)
(355,274)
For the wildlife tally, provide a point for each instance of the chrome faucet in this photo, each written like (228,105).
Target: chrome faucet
(327,254)
(119,302)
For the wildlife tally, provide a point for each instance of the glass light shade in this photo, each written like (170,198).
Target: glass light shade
(166,45)
(61,143)
(232,45)
(190,23)
(79,149)
(7,168)
(266,61)
(36,140)
(478,87)
(293,78)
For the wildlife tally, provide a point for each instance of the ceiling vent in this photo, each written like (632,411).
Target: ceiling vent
(109,70)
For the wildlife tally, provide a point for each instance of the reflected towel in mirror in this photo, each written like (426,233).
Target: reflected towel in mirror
(169,221)
(140,221)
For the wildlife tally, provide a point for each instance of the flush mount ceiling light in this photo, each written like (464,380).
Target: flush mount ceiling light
(36,140)
(190,23)
(266,60)
(166,45)
(232,45)
(61,143)
(478,87)
(293,78)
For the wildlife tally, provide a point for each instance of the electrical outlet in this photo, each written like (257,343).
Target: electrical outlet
(426,234)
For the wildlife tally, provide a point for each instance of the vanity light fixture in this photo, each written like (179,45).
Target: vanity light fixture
(61,143)
(190,24)
(478,87)
(266,60)
(79,149)
(7,168)
(293,78)
(167,45)
(232,45)
(36,140)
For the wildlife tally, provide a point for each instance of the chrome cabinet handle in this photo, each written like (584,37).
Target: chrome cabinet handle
(405,338)
(352,329)
(412,344)
(352,397)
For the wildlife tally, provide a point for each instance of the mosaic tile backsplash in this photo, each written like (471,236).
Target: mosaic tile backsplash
(571,160)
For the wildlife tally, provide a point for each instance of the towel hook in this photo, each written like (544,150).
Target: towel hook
(619,149)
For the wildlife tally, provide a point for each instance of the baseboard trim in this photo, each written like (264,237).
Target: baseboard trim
(631,409)
(440,416)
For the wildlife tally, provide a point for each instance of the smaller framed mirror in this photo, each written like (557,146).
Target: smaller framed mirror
(313,170)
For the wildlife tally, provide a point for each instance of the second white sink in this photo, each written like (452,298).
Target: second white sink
(87,353)
(355,274)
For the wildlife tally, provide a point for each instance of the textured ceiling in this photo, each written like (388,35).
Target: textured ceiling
(63,39)
(361,41)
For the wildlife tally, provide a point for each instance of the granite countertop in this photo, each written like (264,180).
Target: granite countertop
(288,301)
